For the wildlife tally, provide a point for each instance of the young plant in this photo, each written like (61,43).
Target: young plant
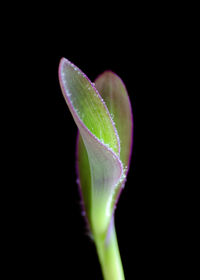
(102,113)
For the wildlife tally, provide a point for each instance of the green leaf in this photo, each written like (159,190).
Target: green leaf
(101,143)
(114,94)
(104,128)
(84,101)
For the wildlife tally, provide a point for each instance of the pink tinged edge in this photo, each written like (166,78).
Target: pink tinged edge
(62,61)
(130,153)
(84,214)
(109,150)
(118,161)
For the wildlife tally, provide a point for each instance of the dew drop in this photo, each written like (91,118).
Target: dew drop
(77,181)
(83,213)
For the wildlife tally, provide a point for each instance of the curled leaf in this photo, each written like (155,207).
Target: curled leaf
(100,141)
(114,93)
(103,116)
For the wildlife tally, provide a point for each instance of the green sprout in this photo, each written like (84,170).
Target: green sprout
(102,113)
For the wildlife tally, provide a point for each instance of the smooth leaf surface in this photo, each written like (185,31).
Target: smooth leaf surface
(100,140)
(81,95)
(114,94)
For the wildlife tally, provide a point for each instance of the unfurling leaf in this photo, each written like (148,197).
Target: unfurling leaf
(102,113)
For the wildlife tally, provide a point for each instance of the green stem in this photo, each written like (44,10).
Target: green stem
(109,256)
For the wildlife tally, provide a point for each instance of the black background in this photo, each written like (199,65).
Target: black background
(48,235)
